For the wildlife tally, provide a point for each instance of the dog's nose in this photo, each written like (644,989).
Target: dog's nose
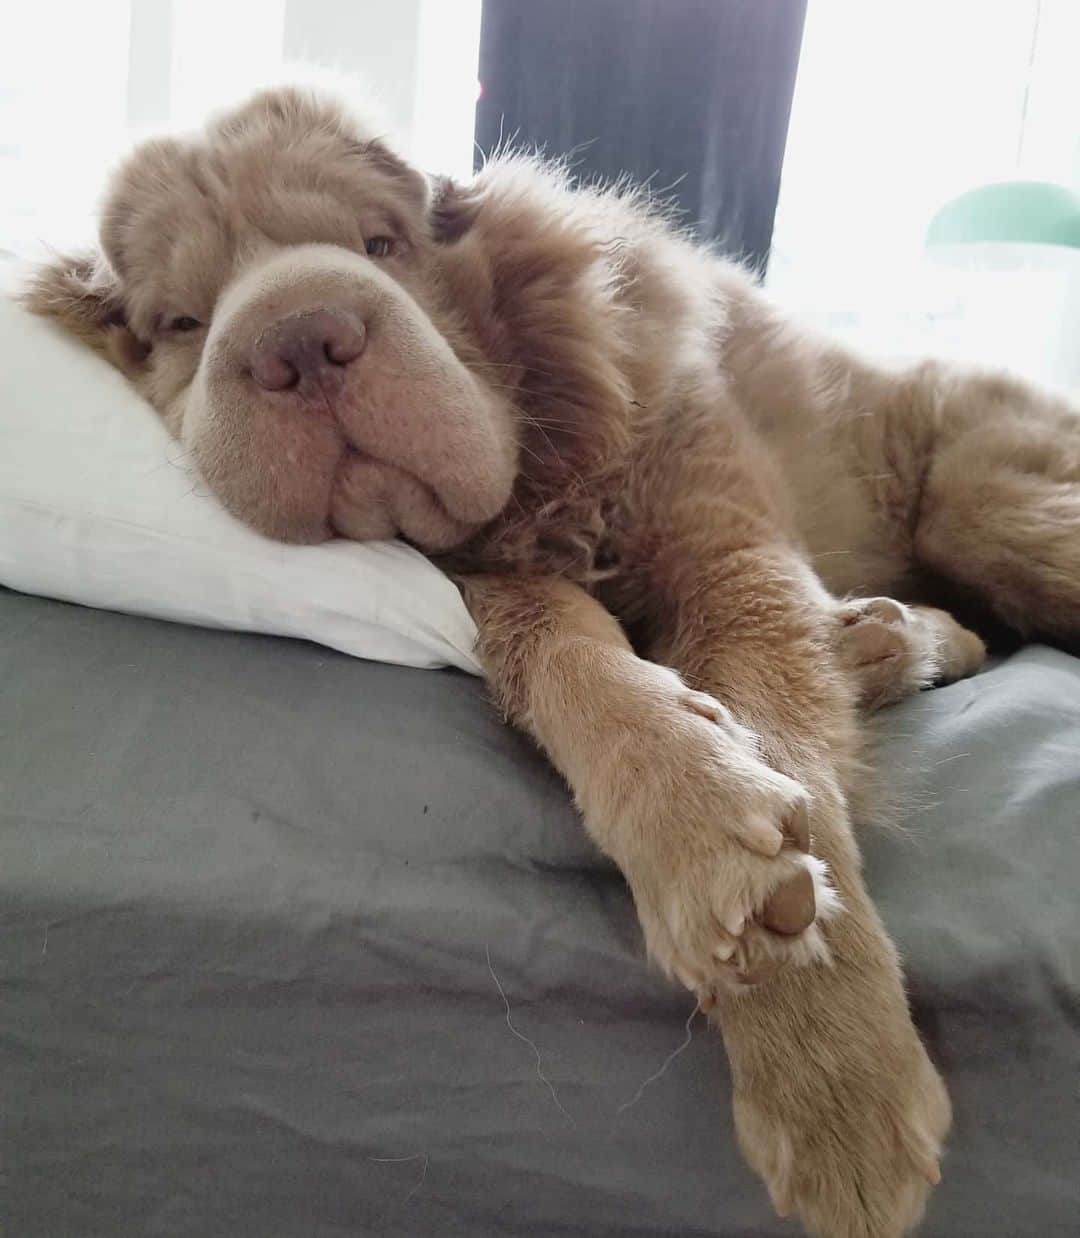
(304,348)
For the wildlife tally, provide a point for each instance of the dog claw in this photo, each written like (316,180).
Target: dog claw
(797,827)
(759,836)
(780,1202)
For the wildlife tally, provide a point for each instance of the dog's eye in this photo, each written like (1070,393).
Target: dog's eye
(184,323)
(379,246)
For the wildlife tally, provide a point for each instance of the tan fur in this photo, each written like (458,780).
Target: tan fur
(653,488)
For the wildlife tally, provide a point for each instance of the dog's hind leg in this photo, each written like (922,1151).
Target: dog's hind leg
(1000,509)
(907,479)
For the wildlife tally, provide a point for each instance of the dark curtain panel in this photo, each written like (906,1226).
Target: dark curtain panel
(691,95)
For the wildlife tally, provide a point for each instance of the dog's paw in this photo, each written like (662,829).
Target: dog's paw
(715,846)
(848,1139)
(894,650)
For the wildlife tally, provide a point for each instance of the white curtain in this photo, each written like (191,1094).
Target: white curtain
(79,81)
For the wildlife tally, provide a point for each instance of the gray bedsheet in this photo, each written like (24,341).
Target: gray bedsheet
(264,909)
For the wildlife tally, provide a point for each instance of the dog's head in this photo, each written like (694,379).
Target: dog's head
(273,287)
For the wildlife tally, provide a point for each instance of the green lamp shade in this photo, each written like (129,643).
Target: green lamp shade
(1013,212)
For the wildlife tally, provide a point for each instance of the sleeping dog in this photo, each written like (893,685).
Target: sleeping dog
(681,523)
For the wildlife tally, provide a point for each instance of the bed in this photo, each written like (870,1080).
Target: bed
(299,944)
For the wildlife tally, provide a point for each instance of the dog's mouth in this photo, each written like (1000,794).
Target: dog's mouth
(420,459)
(402,439)
(373,500)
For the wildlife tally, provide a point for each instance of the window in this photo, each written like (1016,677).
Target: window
(898,108)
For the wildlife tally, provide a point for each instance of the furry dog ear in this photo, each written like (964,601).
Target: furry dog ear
(81,293)
(405,179)
(305,110)
(285,110)
(453,209)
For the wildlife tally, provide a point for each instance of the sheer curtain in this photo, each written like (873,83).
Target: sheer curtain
(897,108)
(79,81)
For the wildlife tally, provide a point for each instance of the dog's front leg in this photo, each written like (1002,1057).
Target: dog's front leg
(837,1105)
(710,838)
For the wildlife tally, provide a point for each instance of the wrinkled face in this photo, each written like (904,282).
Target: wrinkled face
(280,276)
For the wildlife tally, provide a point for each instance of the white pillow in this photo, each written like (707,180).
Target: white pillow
(98,507)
